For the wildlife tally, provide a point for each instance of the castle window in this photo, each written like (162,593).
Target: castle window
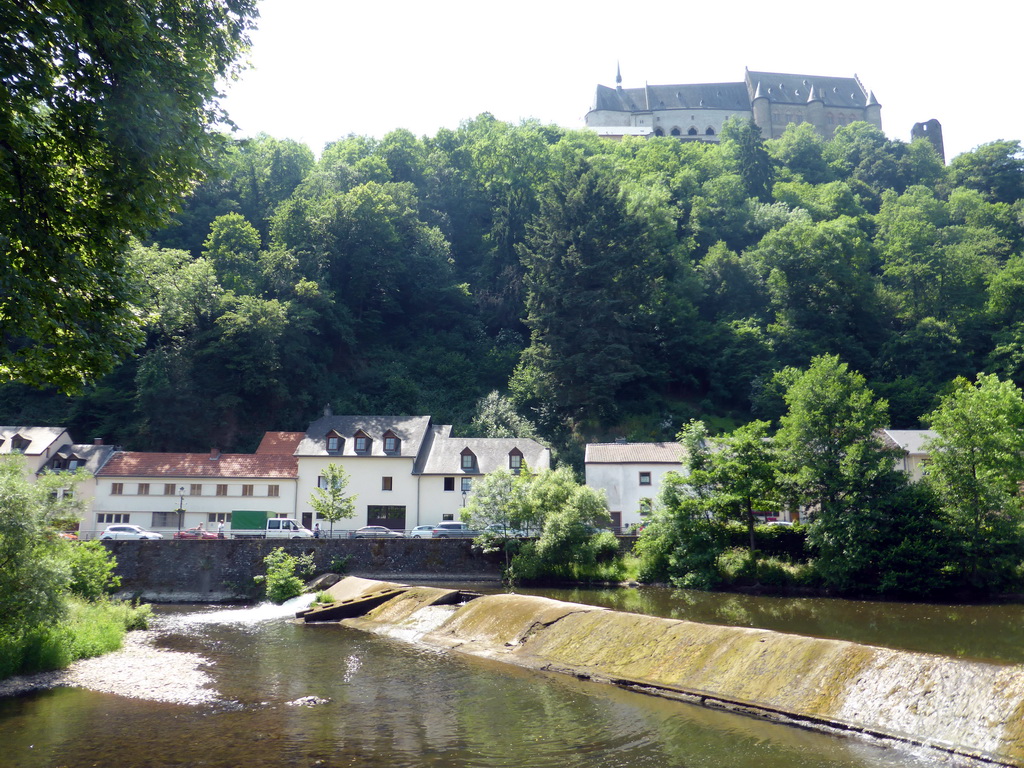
(658,131)
(692,131)
(710,131)
(676,132)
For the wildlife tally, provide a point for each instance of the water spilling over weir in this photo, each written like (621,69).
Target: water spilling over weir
(961,707)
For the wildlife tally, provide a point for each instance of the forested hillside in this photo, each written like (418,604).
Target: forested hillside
(603,288)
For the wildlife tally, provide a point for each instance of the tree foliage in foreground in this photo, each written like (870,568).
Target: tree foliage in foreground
(104,126)
(976,472)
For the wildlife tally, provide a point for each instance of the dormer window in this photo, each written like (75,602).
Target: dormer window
(391,442)
(515,461)
(334,442)
(468,460)
(362,442)
(19,443)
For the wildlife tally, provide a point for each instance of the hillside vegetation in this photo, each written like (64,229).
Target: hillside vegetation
(602,288)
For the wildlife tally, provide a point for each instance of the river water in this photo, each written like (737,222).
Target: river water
(385,702)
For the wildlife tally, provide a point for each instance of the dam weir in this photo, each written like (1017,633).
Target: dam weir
(965,708)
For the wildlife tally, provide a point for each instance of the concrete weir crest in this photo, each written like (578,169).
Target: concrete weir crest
(961,707)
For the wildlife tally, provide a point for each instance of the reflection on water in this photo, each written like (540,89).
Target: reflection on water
(393,703)
(981,632)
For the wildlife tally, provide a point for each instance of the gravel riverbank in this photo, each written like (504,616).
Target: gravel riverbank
(139,670)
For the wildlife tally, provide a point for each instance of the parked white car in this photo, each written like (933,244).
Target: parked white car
(129,532)
(422,532)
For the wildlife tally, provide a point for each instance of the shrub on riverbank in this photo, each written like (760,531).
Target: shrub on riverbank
(89,628)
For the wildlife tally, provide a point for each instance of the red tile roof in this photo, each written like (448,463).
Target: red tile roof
(247,465)
(280,442)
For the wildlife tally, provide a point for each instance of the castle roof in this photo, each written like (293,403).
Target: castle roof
(729,96)
(782,88)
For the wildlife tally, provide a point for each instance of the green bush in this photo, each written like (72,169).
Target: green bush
(92,570)
(281,580)
(88,629)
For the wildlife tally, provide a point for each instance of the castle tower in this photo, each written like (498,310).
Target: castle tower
(816,110)
(762,110)
(873,111)
(618,76)
(932,131)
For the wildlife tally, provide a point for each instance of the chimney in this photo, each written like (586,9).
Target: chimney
(214,454)
(328,411)
(97,441)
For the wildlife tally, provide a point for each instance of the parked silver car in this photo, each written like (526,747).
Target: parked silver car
(421,532)
(454,531)
(376,532)
(129,532)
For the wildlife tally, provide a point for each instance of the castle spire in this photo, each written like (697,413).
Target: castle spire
(618,75)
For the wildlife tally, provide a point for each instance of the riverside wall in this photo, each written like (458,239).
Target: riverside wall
(222,570)
(961,707)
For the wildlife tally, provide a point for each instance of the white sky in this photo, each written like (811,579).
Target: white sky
(323,69)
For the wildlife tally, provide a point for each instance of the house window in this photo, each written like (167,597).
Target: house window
(222,489)
(468,460)
(645,478)
(247,490)
(218,517)
(385,483)
(143,489)
(390,444)
(196,489)
(112,517)
(515,461)
(274,491)
(116,489)
(165,519)
(467,484)
(449,483)
(169,489)
(362,442)
(334,443)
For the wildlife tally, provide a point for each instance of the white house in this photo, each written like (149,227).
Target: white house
(910,443)
(630,474)
(35,445)
(403,470)
(149,489)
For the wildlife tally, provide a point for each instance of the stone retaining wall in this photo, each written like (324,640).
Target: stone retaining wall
(223,569)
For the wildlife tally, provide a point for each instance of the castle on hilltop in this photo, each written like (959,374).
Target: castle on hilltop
(696,111)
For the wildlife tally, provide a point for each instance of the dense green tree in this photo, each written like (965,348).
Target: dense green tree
(736,472)
(233,247)
(590,275)
(995,169)
(974,466)
(104,126)
(744,150)
(834,465)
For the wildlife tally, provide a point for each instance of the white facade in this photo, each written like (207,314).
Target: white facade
(630,474)
(35,445)
(910,443)
(153,502)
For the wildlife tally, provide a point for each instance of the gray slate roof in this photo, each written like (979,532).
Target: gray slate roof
(445,455)
(783,88)
(910,440)
(93,456)
(40,438)
(730,96)
(634,453)
(410,430)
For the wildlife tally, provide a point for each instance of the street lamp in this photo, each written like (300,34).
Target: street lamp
(463,497)
(181,505)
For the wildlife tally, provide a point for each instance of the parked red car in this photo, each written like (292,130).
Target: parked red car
(195,533)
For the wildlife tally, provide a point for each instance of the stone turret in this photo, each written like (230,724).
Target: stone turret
(873,111)
(816,110)
(762,109)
